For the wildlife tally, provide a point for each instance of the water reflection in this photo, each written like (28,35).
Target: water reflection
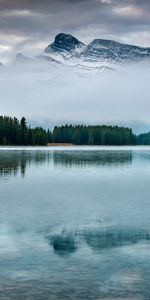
(64,244)
(69,236)
(108,238)
(97,238)
(87,158)
(14,162)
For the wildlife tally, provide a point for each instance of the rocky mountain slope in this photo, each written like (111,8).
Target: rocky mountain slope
(68,50)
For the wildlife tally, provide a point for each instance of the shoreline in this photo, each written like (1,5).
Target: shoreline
(73,146)
(61,145)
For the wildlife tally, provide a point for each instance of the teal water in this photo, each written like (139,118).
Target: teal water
(75,223)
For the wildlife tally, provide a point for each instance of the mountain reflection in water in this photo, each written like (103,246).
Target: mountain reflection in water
(97,238)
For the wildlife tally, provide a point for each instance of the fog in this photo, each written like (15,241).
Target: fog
(48,94)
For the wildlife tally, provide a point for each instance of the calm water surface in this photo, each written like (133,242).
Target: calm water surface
(75,223)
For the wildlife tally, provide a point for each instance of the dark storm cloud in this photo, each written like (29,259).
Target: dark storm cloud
(31,17)
(42,16)
(29,23)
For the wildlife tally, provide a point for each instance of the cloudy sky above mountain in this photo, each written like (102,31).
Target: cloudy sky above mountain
(29,25)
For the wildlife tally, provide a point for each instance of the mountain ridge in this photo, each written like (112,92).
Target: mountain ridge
(98,51)
(98,54)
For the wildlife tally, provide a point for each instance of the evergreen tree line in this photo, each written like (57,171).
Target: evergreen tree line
(143,139)
(17,132)
(93,135)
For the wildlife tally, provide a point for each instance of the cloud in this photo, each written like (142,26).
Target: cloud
(129,11)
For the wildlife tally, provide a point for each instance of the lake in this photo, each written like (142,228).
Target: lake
(75,223)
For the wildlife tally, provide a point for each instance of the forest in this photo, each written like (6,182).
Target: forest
(17,132)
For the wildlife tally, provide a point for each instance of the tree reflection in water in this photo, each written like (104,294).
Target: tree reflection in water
(14,162)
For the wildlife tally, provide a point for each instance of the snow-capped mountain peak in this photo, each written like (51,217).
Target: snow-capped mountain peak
(64,43)
(114,51)
(99,53)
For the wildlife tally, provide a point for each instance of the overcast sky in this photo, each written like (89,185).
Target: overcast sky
(29,25)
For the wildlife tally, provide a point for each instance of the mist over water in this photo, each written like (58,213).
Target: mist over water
(74,223)
(49,94)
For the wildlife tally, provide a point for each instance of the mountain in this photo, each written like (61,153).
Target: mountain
(67,49)
(20,58)
(100,49)
(65,44)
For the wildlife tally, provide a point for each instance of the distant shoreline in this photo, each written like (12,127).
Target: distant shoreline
(48,145)
(61,145)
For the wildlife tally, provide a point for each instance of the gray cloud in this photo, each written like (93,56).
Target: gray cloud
(28,25)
